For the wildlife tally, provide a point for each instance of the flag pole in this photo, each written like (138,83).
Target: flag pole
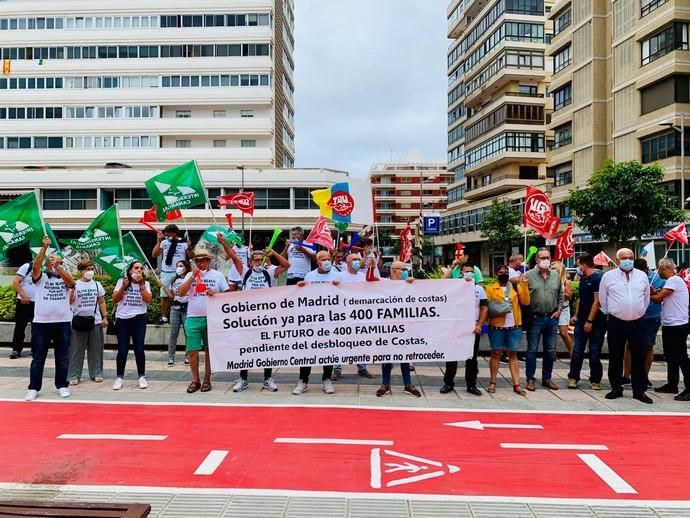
(251,223)
(210,206)
(184,222)
(153,271)
(40,215)
(119,233)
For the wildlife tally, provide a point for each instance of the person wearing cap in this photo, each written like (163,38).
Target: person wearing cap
(173,249)
(200,283)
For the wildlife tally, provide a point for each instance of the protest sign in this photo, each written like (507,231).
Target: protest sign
(324,324)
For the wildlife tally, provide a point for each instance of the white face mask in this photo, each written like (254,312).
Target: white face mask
(544,264)
(326,266)
(88,275)
(179,270)
(136,276)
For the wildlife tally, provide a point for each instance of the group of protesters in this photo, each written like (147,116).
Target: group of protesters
(626,305)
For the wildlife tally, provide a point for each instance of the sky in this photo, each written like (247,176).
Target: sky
(370,82)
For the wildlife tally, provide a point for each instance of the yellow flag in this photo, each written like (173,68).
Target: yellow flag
(321,197)
(6,66)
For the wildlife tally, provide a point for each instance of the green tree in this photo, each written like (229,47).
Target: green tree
(624,201)
(501,226)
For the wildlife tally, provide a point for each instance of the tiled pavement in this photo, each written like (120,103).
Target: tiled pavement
(169,384)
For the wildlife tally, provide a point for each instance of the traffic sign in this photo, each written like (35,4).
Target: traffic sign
(432,225)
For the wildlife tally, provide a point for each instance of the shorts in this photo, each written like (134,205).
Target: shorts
(166,279)
(196,331)
(508,339)
(564,319)
(650,328)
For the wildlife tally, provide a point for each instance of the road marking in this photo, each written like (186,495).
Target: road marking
(211,462)
(112,436)
(376,468)
(605,473)
(395,466)
(531,446)
(478,425)
(308,440)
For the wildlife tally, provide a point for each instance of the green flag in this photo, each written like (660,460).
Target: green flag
(177,188)
(231,236)
(103,232)
(20,223)
(54,247)
(114,261)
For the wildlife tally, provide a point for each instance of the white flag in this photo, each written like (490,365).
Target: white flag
(649,255)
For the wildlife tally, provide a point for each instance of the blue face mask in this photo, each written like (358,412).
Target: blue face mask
(404,275)
(580,272)
(326,266)
(627,264)
(356,265)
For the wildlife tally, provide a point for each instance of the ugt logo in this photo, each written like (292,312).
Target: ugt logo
(538,208)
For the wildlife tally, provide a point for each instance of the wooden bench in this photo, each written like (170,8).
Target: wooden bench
(18,508)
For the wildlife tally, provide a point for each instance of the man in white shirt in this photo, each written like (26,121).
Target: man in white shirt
(24,307)
(624,297)
(299,257)
(674,328)
(173,249)
(235,276)
(52,321)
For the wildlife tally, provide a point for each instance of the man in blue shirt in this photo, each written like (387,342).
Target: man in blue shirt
(590,325)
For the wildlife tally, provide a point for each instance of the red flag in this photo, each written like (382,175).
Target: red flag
(371,276)
(242,200)
(200,286)
(228,216)
(601,259)
(565,246)
(321,234)
(678,233)
(172,215)
(151,217)
(459,247)
(406,244)
(539,213)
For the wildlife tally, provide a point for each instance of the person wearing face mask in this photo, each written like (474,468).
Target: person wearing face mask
(132,296)
(564,319)
(88,305)
(624,297)
(505,323)
(260,276)
(323,273)
(178,308)
(589,323)
(173,249)
(674,299)
(481,311)
(51,323)
(299,257)
(546,300)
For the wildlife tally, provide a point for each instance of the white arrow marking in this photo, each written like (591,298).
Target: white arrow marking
(308,440)
(605,473)
(478,425)
(530,446)
(211,462)
(111,436)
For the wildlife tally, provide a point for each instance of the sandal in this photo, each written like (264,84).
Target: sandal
(492,388)
(193,387)
(519,390)
(206,386)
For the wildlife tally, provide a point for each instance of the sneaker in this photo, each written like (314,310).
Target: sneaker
(572,383)
(118,384)
(412,391)
(14,355)
(31,394)
(337,373)
(383,390)
(365,374)
(240,385)
(301,388)
(142,382)
(186,361)
(162,321)
(328,387)
(98,379)
(625,382)
(270,385)
(64,392)
(171,362)
(596,386)
(73,383)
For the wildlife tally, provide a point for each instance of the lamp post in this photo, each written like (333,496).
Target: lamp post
(680,130)
(241,168)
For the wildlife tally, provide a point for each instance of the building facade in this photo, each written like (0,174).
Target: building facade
(498,76)
(147,84)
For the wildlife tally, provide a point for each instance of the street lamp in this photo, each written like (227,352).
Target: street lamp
(420,224)
(681,130)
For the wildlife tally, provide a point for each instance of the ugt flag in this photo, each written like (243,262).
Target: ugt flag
(20,223)
(115,260)
(677,233)
(321,234)
(103,232)
(565,246)
(177,188)
(539,213)
(242,200)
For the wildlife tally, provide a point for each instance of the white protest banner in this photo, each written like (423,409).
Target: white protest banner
(323,324)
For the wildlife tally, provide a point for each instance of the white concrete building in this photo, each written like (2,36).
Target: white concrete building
(150,84)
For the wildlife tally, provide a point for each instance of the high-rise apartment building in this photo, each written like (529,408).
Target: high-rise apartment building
(147,84)
(498,75)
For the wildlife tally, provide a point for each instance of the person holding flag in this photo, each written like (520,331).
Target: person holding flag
(173,249)
(299,257)
(51,323)
(200,283)
(132,296)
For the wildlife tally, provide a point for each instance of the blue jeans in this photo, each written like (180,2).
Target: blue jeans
(360,367)
(135,329)
(42,335)
(548,328)
(596,341)
(386,369)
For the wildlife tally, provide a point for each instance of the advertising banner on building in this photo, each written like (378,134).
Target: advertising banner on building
(324,324)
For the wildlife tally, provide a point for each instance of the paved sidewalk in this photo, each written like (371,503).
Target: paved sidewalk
(169,384)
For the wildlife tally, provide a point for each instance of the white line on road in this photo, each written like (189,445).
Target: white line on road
(112,436)
(478,425)
(308,440)
(375,460)
(531,446)
(211,462)
(605,473)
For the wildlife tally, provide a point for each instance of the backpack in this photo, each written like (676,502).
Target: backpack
(267,276)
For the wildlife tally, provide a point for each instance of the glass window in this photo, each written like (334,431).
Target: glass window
(219,143)
(183,143)
(248,143)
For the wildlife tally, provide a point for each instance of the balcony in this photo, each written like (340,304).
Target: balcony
(501,185)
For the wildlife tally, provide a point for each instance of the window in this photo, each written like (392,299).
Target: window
(183,114)
(219,143)
(303,199)
(563,174)
(561,22)
(248,143)
(673,37)
(505,142)
(65,199)
(561,59)
(219,114)
(246,114)
(562,97)
(665,92)
(183,143)
(647,6)
(562,135)
(131,199)
(663,145)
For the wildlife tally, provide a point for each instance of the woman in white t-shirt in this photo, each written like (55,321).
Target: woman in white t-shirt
(132,295)
(87,299)
(178,308)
